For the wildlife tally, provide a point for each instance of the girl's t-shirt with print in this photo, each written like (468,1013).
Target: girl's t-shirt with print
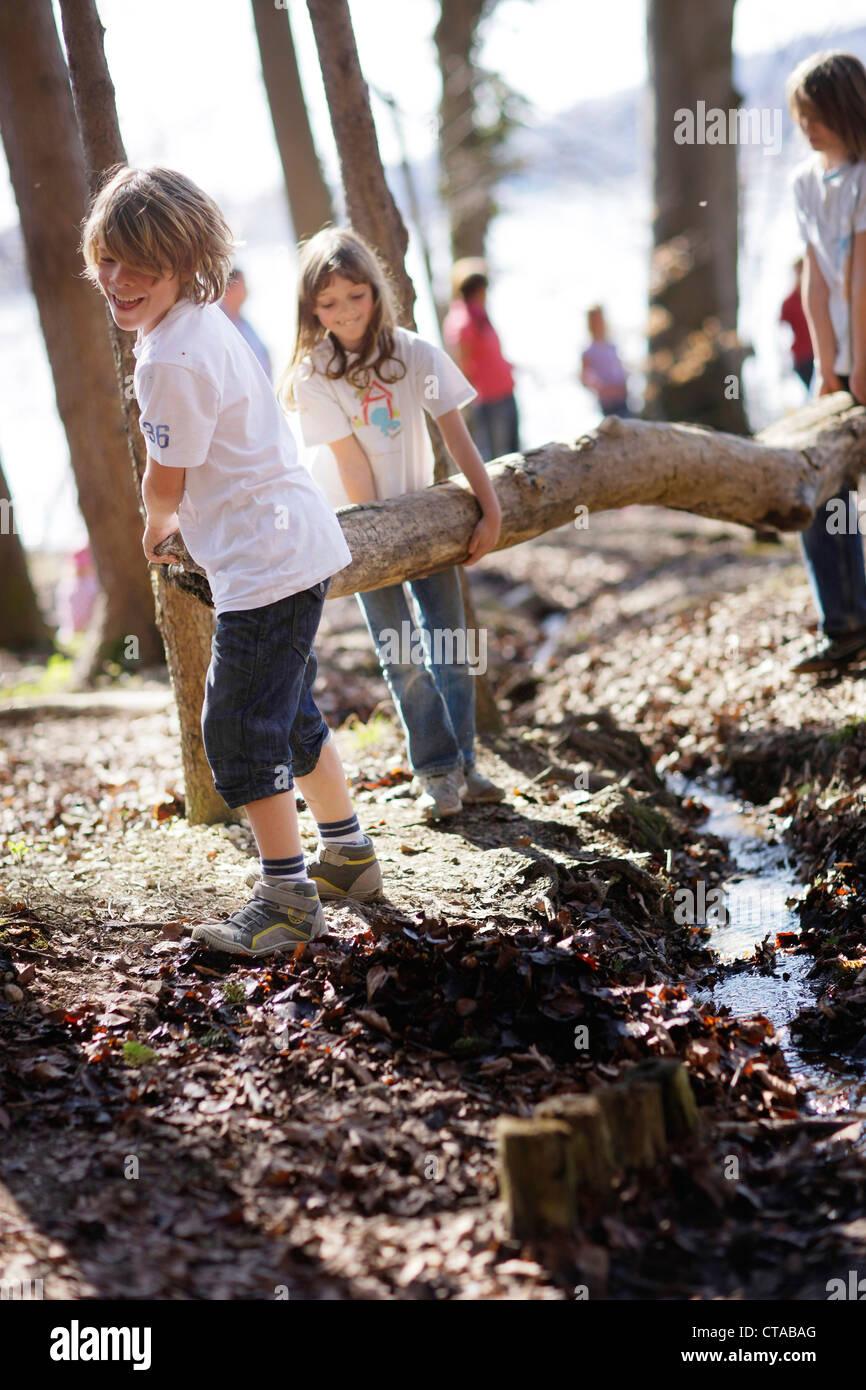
(831,208)
(386,416)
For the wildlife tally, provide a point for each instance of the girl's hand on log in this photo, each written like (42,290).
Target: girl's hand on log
(857,385)
(154,534)
(828,382)
(485,535)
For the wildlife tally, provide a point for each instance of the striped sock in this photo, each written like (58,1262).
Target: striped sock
(341,832)
(275,870)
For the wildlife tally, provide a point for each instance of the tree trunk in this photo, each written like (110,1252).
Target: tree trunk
(47,173)
(373,212)
(188,632)
(695,359)
(186,626)
(21,622)
(309,196)
(467,177)
(412,202)
(369,203)
(465,167)
(778,479)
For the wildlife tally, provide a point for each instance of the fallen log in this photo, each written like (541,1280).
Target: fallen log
(778,480)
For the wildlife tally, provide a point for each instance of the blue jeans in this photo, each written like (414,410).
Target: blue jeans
(495,428)
(433,692)
(259,719)
(834,562)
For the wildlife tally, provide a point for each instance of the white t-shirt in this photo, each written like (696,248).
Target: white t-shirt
(387,418)
(831,207)
(251,516)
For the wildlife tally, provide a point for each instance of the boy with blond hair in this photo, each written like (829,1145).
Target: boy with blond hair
(222,469)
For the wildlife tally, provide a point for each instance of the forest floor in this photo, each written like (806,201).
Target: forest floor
(181,1125)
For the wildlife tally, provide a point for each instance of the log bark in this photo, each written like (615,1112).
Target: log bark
(47,172)
(188,651)
(778,479)
(308,195)
(186,627)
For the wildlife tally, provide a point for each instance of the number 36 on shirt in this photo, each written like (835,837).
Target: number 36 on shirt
(157,434)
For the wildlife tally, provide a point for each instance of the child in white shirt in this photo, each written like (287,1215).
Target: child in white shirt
(222,468)
(361,386)
(827,96)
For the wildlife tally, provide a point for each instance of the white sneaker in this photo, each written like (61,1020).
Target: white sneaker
(439,794)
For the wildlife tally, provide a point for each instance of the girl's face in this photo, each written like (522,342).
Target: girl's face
(345,309)
(822,139)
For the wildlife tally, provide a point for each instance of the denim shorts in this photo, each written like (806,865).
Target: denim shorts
(260,723)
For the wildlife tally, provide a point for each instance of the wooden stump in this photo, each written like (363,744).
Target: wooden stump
(536,1176)
(591,1149)
(635,1119)
(678,1101)
(556,1170)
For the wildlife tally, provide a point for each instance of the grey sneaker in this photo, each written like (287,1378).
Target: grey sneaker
(439,794)
(834,651)
(477,790)
(347,871)
(275,919)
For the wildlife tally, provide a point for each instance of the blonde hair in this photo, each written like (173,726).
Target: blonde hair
(341,251)
(832,86)
(159,222)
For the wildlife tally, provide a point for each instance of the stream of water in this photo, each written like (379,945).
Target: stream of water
(759,899)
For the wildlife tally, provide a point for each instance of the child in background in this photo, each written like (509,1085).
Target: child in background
(794,315)
(231,304)
(474,344)
(222,468)
(601,370)
(77,594)
(827,98)
(361,385)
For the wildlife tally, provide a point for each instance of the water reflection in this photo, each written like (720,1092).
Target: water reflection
(758,901)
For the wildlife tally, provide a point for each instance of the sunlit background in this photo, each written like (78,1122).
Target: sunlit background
(573,227)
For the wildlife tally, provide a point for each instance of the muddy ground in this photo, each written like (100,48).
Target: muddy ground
(181,1126)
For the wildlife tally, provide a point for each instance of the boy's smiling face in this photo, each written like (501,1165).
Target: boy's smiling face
(136,299)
